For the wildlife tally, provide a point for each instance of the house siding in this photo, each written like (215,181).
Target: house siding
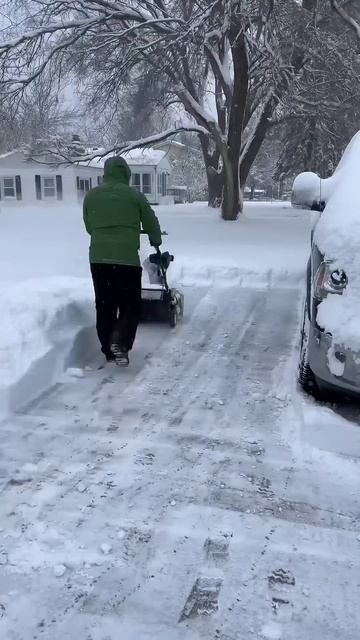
(155,197)
(65,181)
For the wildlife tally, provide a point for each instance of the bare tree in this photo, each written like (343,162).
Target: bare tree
(228,64)
(345,11)
(38,115)
(201,48)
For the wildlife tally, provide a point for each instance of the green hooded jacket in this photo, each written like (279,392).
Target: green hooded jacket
(114,215)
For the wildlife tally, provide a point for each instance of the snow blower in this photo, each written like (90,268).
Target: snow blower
(160,302)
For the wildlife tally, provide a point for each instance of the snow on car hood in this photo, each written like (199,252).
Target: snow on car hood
(338,237)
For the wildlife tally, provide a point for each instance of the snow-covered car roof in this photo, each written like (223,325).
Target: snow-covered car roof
(338,230)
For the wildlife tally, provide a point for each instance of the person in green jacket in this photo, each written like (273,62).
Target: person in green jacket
(114,214)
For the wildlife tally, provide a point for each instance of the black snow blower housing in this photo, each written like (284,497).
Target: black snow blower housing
(160,303)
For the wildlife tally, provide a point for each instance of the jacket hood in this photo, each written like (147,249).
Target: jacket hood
(117,168)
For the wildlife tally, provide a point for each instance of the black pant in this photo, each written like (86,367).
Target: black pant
(118,304)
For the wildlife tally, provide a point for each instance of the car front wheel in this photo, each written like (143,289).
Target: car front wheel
(305,375)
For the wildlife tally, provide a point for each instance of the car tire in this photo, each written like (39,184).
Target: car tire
(306,376)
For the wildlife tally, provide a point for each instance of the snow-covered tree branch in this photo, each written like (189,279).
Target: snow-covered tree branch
(60,147)
(231,67)
(341,10)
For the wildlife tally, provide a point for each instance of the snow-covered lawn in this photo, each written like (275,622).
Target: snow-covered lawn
(268,239)
(197,495)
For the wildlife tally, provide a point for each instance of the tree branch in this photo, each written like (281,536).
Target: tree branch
(121,148)
(339,9)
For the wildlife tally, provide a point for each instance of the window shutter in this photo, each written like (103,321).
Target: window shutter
(90,183)
(38,187)
(59,189)
(18,187)
(78,183)
(99,180)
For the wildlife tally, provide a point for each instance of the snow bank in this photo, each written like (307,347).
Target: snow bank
(327,430)
(338,238)
(39,324)
(268,246)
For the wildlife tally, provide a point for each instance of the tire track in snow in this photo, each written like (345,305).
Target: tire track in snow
(210,324)
(156,471)
(196,461)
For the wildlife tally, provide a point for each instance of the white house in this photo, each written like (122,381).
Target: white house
(151,174)
(173,148)
(26,181)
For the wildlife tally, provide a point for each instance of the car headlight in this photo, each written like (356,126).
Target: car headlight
(329,280)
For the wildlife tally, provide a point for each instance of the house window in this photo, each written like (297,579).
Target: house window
(146,182)
(162,183)
(10,187)
(83,185)
(142,182)
(48,187)
(136,181)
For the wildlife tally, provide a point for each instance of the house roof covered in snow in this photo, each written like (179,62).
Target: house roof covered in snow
(137,157)
(97,163)
(7,154)
(170,143)
(148,156)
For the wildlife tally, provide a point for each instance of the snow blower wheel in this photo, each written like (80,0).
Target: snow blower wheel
(173,317)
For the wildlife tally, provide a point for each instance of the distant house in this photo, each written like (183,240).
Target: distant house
(26,181)
(183,158)
(151,174)
(174,149)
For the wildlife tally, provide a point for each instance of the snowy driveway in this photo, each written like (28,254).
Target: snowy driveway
(185,499)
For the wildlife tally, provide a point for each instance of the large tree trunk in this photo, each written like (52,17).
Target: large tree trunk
(232,202)
(215,187)
(214,176)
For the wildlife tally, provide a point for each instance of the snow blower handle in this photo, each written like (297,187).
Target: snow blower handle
(161,267)
(163,233)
